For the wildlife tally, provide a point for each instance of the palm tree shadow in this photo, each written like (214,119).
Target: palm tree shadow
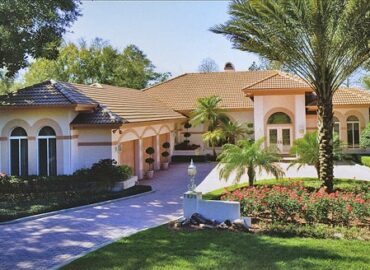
(161,247)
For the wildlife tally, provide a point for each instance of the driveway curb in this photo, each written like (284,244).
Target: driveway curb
(52,213)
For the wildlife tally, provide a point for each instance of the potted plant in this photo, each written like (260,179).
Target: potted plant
(165,154)
(150,161)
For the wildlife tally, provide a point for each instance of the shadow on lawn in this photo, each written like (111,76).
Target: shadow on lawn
(161,248)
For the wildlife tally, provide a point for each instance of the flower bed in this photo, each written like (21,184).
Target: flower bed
(298,204)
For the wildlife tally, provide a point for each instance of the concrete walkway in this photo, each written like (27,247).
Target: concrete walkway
(348,171)
(50,241)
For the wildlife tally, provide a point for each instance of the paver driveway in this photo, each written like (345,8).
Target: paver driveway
(50,241)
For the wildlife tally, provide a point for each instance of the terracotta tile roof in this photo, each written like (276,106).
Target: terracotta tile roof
(48,93)
(279,80)
(130,105)
(181,93)
(348,96)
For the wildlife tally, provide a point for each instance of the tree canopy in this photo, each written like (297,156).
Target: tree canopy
(32,29)
(208,65)
(97,62)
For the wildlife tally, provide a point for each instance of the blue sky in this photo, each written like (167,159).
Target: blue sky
(174,34)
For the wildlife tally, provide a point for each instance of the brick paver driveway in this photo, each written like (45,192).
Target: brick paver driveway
(50,241)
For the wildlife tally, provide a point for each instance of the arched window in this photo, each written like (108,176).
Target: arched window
(47,151)
(353,131)
(279,118)
(18,152)
(336,126)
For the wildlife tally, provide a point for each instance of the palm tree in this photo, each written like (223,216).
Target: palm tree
(307,150)
(213,137)
(234,131)
(248,156)
(208,112)
(323,42)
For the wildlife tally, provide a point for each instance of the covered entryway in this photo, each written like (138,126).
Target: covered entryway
(280,132)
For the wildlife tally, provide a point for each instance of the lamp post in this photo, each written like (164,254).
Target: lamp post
(192,172)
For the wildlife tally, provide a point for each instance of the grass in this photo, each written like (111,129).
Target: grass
(365,160)
(32,205)
(162,248)
(343,184)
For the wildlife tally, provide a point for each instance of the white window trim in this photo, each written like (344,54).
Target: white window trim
(17,138)
(47,153)
(353,132)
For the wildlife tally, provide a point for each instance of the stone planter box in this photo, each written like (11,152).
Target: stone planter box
(119,186)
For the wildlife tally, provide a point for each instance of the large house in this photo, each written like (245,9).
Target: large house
(56,128)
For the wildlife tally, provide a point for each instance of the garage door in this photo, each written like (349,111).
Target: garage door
(128,154)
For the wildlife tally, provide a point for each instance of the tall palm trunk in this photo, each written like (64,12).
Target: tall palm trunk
(251,175)
(325,117)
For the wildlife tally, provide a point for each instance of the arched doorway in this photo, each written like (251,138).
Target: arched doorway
(279,132)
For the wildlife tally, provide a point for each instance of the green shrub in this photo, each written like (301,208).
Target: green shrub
(365,137)
(125,172)
(296,203)
(106,171)
(365,161)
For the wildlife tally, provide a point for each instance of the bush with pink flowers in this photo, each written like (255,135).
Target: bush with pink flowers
(298,204)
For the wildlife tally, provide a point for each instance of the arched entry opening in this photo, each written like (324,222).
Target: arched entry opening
(279,131)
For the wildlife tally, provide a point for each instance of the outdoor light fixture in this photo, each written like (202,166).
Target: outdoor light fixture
(192,172)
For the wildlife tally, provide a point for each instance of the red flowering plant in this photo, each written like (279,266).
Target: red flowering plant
(295,203)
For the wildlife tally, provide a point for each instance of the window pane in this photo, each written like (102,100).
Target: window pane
(14,157)
(286,136)
(336,128)
(273,136)
(47,131)
(18,132)
(52,157)
(356,135)
(24,157)
(349,135)
(43,157)
(279,118)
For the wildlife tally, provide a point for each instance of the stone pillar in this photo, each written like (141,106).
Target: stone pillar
(299,116)
(139,158)
(190,203)
(157,153)
(259,115)
(172,143)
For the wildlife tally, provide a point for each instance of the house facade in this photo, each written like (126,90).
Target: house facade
(57,128)
(280,106)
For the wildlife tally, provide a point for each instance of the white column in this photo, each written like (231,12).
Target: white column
(299,116)
(157,153)
(139,158)
(172,143)
(258,116)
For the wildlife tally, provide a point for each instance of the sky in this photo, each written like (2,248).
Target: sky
(173,34)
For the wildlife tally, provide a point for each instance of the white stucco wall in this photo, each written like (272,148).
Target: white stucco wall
(32,120)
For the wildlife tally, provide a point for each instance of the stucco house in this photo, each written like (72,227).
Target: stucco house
(282,107)
(56,128)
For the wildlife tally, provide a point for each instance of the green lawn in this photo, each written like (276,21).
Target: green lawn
(162,248)
(343,184)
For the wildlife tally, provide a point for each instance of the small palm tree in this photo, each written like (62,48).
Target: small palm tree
(307,150)
(208,112)
(248,156)
(234,131)
(213,137)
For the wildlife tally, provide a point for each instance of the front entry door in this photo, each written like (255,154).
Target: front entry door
(280,137)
